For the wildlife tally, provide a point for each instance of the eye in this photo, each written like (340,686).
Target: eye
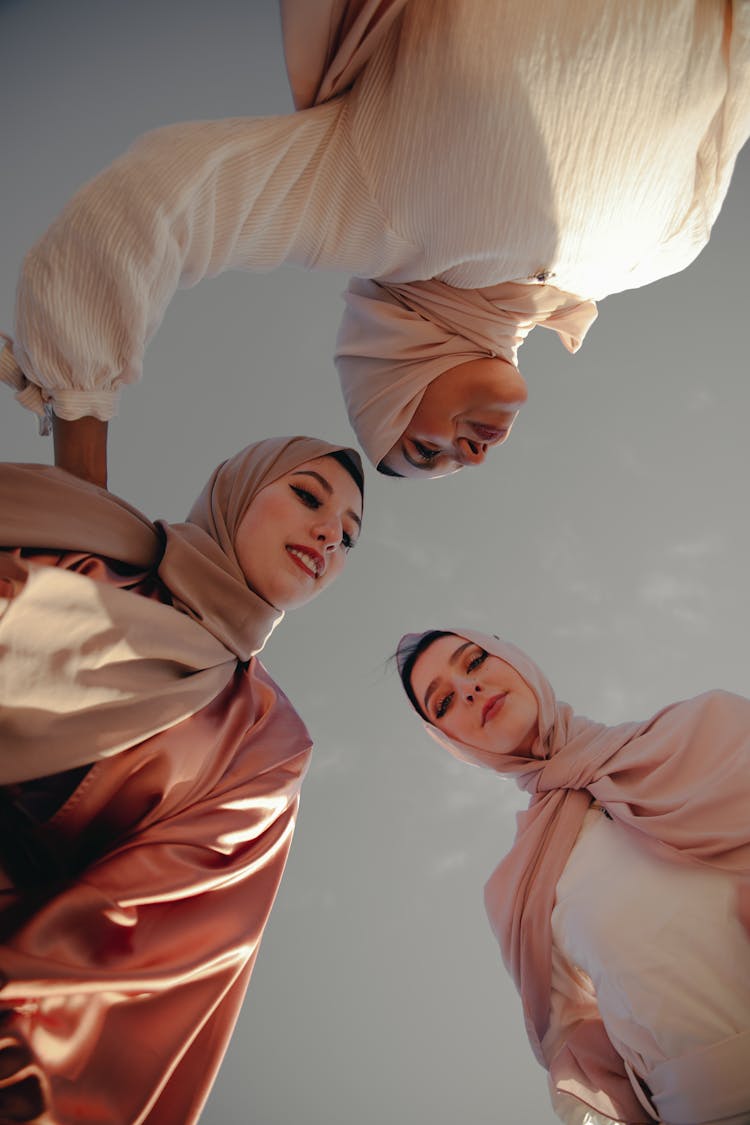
(476,661)
(425,454)
(443,705)
(347,542)
(309,499)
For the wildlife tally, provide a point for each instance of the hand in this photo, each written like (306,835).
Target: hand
(81,448)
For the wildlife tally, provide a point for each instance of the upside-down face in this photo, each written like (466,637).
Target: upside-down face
(462,414)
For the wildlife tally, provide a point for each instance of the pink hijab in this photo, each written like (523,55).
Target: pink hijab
(681,779)
(395,339)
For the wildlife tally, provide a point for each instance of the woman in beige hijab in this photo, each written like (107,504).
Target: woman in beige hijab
(479,168)
(150,771)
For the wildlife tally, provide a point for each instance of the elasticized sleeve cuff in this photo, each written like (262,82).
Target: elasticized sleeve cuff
(65,402)
(70,403)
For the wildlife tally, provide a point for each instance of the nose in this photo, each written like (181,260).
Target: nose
(471,452)
(327,532)
(470,691)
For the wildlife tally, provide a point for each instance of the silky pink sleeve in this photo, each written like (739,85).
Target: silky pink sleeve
(123,988)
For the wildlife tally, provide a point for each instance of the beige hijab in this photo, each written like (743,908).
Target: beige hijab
(395,339)
(89,669)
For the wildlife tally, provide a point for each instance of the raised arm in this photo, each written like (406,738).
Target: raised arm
(186,202)
(81,448)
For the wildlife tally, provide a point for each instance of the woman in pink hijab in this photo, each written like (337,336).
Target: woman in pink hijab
(623,907)
(479,167)
(150,771)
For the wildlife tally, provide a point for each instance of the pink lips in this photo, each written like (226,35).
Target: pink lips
(488,433)
(493,705)
(318,562)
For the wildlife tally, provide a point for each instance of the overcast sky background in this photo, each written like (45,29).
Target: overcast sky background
(610,538)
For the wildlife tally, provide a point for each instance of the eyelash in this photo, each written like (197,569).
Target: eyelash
(424,453)
(476,662)
(443,705)
(310,500)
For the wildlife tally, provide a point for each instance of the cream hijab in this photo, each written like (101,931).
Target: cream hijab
(681,779)
(90,669)
(395,339)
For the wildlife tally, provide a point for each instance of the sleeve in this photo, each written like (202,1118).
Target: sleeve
(121,992)
(186,202)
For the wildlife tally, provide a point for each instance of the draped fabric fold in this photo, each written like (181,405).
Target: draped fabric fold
(122,980)
(328,42)
(680,779)
(89,669)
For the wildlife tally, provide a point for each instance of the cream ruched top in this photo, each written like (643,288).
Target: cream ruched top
(589,143)
(661,947)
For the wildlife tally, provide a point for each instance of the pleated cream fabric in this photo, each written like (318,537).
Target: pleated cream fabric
(473,147)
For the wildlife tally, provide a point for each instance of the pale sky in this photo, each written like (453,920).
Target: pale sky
(610,538)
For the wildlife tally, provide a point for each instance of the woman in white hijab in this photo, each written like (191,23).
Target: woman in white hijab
(492,166)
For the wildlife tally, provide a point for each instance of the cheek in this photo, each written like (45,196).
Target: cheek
(270,517)
(432,418)
(261,530)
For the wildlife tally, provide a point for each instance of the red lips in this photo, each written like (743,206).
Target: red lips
(493,705)
(488,434)
(316,565)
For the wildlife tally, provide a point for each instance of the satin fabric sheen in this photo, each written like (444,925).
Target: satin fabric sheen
(681,779)
(124,978)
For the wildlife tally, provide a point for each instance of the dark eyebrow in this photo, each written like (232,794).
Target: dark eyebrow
(329,489)
(434,683)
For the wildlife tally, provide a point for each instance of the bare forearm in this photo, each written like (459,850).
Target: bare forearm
(81,448)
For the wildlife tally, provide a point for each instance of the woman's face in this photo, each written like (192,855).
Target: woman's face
(294,538)
(463,412)
(474,697)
